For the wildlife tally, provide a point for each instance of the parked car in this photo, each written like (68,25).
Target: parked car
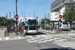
(64,26)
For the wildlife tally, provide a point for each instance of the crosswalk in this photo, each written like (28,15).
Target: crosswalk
(48,38)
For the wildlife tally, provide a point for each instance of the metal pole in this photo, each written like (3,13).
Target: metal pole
(6,34)
(59,7)
(24,15)
(16,7)
(34,14)
(13,13)
(10,15)
(16,19)
(48,15)
(36,22)
(45,21)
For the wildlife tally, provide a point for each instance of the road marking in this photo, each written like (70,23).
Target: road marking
(73,38)
(20,37)
(0,39)
(67,37)
(57,38)
(60,40)
(6,38)
(70,34)
(61,34)
(29,37)
(42,41)
(43,36)
(31,41)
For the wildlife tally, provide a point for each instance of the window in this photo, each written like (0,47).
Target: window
(32,23)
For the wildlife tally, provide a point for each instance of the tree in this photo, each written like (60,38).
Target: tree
(2,21)
(43,21)
(70,14)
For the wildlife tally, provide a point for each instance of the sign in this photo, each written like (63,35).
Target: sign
(16,16)
(60,16)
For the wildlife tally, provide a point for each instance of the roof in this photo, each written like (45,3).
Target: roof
(32,18)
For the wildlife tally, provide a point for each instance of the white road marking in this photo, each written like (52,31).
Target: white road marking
(48,40)
(70,34)
(57,38)
(56,35)
(6,38)
(67,37)
(31,41)
(20,37)
(61,40)
(29,37)
(43,36)
(61,34)
(42,41)
(0,39)
(73,38)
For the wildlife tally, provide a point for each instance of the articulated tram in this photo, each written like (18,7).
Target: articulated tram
(31,25)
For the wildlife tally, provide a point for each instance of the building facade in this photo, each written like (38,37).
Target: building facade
(59,7)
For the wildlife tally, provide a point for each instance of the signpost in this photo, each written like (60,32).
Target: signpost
(16,16)
(60,16)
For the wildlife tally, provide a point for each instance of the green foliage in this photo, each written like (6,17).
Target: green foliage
(2,20)
(43,22)
(70,15)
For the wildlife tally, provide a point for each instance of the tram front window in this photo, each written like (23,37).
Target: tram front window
(32,24)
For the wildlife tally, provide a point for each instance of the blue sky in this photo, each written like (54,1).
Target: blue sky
(27,7)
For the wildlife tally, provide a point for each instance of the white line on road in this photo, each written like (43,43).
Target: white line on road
(61,40)
(73,38)
(67,37)
(42,41)
(0,39)
(6,38)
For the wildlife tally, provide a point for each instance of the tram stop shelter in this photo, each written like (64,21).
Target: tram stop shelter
(11,27)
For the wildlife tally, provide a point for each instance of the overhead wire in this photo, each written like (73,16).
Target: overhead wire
(38,6)
(41,5)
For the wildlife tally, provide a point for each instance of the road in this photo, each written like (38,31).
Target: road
(24,45)
(42,41)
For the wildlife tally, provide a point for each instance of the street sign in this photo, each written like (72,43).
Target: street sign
(60,16)
(16,16)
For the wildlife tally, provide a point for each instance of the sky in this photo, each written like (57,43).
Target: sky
(26,8)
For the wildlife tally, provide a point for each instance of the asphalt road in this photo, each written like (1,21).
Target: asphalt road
(52,42)
(24,45)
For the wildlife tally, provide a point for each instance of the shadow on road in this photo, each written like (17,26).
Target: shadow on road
(58,49)
(39,33)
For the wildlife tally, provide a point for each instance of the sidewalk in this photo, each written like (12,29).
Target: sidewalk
(51,31)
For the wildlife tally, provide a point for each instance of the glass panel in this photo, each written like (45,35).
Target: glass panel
(56,25)
(32,23)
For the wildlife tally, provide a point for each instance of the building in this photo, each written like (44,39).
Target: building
(59,7)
